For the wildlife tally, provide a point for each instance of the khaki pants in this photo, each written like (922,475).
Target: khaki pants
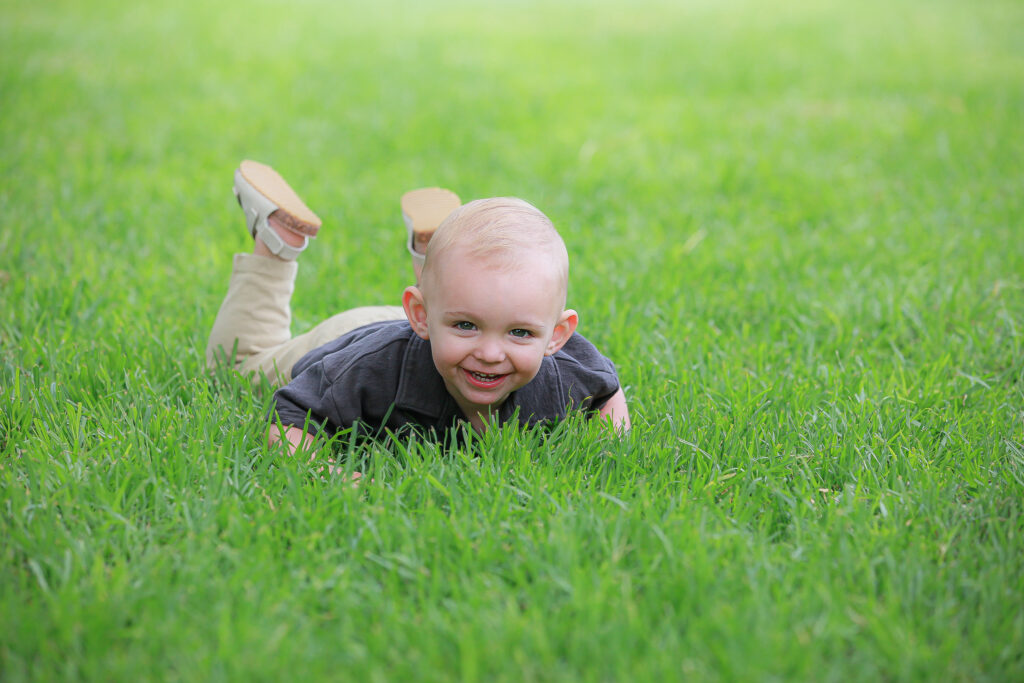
(255,321)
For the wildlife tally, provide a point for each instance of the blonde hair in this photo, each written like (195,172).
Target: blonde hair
(500,230)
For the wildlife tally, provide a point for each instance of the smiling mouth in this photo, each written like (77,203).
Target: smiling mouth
(483,379)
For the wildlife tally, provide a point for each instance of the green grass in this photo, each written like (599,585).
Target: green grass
(798,229)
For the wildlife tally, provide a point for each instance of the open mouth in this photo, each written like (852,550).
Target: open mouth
(482,379)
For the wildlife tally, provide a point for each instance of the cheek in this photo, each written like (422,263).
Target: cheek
(529,360)
(446,351)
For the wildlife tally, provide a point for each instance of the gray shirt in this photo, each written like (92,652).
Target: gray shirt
(382,377)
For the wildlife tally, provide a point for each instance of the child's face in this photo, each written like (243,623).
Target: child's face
(490,328)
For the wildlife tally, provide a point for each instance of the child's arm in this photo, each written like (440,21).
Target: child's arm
(301,440)
(296,438)
(616,410)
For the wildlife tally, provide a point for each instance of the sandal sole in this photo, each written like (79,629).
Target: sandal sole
(271,185)
(424,209)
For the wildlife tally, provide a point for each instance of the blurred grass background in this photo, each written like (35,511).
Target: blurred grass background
(796,228)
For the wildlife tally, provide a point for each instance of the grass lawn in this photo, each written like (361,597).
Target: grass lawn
(797,227)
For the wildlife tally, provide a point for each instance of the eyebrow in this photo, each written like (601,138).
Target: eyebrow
(515,324)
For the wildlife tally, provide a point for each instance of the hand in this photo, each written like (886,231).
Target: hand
(334,470)
(617,411)
(298,441)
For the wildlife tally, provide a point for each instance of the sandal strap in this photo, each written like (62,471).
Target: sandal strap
(257,208)
(275,244)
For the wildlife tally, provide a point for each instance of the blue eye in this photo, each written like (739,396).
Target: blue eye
(521,333)
(465,326)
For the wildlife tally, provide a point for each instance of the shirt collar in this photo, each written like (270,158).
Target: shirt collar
(420,387)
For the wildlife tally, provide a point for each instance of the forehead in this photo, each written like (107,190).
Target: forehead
(520,262)
(530,282)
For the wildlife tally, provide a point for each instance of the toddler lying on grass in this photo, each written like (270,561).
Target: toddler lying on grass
(484,337)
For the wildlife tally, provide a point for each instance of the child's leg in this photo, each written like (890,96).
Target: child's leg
(255,317)
(423,210)
(252,329)
(277,362)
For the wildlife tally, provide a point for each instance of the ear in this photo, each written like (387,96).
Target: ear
(416,311)
(564,328)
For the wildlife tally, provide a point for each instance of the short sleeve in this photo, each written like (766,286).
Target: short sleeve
(307,396)
(575,379)
(352,380)
(588,378)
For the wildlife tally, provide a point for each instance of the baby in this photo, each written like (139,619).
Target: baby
(484,337)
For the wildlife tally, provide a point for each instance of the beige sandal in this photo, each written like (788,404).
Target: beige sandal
(423,210)
(261,191)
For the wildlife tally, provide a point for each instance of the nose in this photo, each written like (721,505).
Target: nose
(490,350)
